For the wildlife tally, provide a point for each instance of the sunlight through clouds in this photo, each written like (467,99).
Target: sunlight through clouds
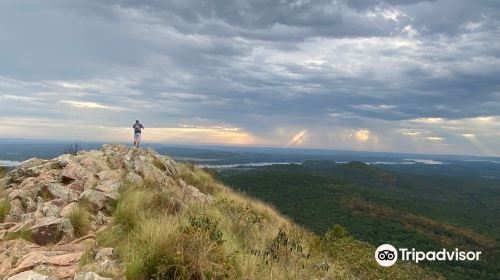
(298,139)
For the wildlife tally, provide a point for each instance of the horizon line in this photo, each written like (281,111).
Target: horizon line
(247,146)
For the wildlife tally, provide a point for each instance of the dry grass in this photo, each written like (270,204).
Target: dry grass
(160,164)
(197,177)
(4,209)
(80,219)
(4,202)
(234,237)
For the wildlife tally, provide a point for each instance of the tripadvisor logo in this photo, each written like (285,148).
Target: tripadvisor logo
(387,255)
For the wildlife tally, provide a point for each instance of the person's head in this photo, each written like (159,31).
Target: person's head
(136,121)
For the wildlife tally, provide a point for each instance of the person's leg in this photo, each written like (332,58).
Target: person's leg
(135,141)
(138,140)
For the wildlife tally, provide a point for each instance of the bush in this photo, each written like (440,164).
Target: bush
(73,148)
(335,233)
(80,219)
(134,201)
(4,209)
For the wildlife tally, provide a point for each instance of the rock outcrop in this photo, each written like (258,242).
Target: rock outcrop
(37,237)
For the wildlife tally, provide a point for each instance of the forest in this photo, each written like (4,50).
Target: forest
(421,210)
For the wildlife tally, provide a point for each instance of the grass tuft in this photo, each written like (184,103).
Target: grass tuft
(80,219)
(23,233)
(159,164)
(4,209)
(204,181)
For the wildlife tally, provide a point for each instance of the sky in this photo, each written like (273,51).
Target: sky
(374,75)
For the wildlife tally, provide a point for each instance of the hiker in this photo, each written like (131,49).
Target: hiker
(138,127)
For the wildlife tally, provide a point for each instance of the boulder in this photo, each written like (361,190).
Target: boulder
(97,199)
(32,162)
(17,193)
(39,169)
(104,253)
(61,263)
(16,207)
(134,179)
(89,276)
(73,171)
(50,210)
(109,175)
(101,219)
(94,164)
(76,187)
(54,190)
(16,211)
(27,217)
(64,160)
(194,193)
(30,204)
(28,275)
(109,187)
(50,230)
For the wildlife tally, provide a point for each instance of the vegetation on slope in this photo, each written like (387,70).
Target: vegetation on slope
(4,202)
(160,235)
(423,212)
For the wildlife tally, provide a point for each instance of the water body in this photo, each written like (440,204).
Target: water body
(253,164)
(9,163)
(257,164)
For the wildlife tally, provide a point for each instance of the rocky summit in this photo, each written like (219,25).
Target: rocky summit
(40,237)
(124,213)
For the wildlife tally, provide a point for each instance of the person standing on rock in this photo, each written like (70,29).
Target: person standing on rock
(138,127)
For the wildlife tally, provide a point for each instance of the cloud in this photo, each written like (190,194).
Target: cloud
(434,138)
(298,139)
(90,105)
(403,70)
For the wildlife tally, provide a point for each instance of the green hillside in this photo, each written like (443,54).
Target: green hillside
(377,206)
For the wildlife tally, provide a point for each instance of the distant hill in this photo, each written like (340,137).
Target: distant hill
(423,210)
(132,213)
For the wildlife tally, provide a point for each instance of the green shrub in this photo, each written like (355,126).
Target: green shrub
(335,233)
(80,219)
(23,233)
(4,209)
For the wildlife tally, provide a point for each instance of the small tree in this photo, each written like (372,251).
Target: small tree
(335,233)
(73,148)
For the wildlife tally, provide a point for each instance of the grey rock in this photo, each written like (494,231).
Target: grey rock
(89,276)
(16,208)
(28,275)
(97,199)
(55,190)
(50,210)
(134,179)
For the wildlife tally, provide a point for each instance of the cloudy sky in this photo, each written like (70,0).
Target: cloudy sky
(393,75)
